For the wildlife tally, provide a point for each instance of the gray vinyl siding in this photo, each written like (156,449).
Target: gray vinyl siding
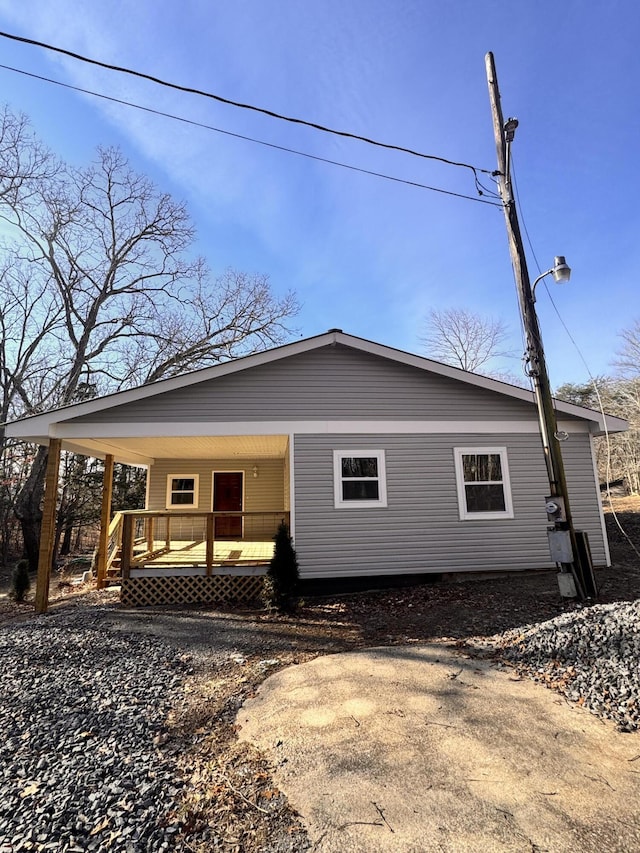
(420,529)
(266,493)
(331,382)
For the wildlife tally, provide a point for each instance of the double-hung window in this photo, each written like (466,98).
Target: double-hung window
(359,478)
(482,475)
(182,491)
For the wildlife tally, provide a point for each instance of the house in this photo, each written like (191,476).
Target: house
(382,463)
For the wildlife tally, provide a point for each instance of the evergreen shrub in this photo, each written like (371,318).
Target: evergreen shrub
(283,575)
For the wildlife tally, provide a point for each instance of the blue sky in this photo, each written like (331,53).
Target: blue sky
(367,255)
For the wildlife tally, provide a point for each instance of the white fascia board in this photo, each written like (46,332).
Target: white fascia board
(41,423)
(613,424)
(101,431)
(437,367)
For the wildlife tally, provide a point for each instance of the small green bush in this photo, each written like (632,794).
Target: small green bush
(283,575)
(20,582)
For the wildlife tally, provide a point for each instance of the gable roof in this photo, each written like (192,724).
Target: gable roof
(36,427)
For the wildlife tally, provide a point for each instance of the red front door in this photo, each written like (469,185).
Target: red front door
(227,497)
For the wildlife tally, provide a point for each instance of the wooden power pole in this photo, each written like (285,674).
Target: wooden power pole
(568,546)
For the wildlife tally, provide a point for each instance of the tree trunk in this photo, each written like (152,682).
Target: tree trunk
(65,547)
(28,507)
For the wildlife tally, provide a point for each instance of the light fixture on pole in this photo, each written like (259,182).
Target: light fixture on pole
(560,271)
(568,547)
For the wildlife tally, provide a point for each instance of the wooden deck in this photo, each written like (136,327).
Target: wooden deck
(164,544)
(192,554)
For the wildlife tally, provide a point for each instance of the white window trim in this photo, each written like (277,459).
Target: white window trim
(196,491)
(465,515)
(339,503)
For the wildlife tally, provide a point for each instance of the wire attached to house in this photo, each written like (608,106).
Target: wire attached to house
(594,384)
(271,113)
(284,148)
(592,379)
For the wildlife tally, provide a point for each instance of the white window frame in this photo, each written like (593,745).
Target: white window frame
(196,491)
(465,514)
(339,502)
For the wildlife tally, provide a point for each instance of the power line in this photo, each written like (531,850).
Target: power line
(593,381)
(240,105)
(249,138)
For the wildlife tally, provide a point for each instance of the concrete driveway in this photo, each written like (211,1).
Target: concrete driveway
(418,748)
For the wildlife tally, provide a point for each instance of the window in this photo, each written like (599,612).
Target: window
(482,475)
(359,478)
(182,491)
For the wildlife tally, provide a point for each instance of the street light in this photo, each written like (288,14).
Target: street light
(568,547)
(560,271)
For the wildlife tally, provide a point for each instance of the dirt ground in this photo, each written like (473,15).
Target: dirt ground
(425,748)
(230,783)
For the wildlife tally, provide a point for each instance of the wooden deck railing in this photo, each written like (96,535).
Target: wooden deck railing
(143,535)
(107,560)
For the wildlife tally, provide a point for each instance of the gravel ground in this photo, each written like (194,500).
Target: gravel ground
(592,656)
(83,717)
(118,726)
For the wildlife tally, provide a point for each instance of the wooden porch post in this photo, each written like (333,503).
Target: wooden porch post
(127,545)
(167,541)
(105,519)
(48,527)
(150,534)
(209,545)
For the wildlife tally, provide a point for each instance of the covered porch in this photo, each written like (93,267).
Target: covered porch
(213,506)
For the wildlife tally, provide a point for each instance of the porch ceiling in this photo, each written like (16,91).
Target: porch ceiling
(144,450)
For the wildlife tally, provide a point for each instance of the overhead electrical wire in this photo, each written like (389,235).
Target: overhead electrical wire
(271,113)
(315,126)
(254,140)
(592,378)
(594,384)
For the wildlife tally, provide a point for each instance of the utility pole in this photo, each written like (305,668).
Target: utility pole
(568,546)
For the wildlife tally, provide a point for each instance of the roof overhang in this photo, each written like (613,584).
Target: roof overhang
(39,428)
(144,451)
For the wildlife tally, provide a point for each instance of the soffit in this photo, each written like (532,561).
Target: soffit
(141,450)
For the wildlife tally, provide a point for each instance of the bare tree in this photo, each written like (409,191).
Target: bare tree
(24,161)
(618,456)
(101,291)
(628,361)
(227,317)
(30,319)
(464,339)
